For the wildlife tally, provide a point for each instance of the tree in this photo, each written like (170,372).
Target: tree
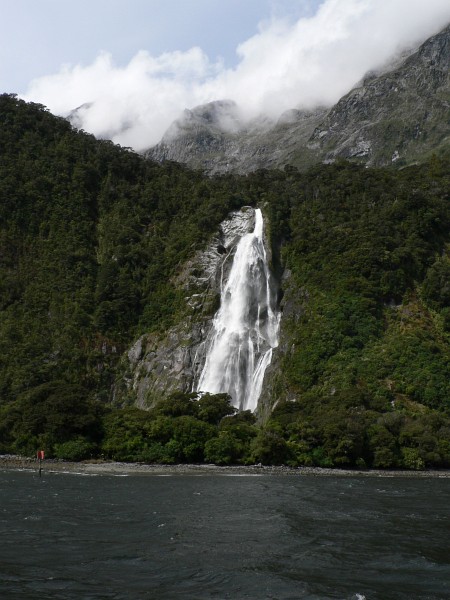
(212,408)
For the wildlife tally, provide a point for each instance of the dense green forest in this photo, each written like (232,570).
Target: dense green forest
(91,236)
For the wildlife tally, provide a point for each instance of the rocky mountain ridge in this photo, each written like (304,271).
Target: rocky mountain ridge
(396,116)
(390,117)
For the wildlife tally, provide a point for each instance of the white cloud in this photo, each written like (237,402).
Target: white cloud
(140,99)
(312,61)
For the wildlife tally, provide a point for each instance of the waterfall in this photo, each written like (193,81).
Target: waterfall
(245,328)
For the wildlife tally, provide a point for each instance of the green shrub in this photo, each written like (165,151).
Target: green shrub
(75,450)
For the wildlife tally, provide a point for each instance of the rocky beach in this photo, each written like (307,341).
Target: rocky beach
(98,467)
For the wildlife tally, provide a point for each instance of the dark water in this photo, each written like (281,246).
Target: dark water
(212,536)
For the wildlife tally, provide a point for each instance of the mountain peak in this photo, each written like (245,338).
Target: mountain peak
(399,114)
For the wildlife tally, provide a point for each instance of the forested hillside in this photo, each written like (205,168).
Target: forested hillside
(366,322)
(91,238)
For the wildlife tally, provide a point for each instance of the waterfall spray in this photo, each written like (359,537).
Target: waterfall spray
(245,328)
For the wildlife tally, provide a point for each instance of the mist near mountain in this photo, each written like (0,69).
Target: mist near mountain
(302,64)
(399,116)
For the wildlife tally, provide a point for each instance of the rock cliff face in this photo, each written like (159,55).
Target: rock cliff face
(157,365)
(203,135)
(214,138)
(392,117)
(396,116)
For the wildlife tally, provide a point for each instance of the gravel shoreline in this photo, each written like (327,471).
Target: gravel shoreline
(95,467)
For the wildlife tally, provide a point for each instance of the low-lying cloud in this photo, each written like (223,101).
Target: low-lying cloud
(311,62)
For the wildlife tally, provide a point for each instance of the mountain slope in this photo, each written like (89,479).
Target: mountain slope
(399,116)
(203,139)
(102,287)
(90,237)
(394,117)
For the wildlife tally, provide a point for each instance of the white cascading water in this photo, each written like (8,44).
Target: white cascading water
(245,328)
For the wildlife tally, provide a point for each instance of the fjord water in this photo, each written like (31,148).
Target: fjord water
(245,328)
(213,536)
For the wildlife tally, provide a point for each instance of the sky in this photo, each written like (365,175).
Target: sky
(138,64)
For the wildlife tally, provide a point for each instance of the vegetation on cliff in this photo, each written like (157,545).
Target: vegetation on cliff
(91,237)
(365,346)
